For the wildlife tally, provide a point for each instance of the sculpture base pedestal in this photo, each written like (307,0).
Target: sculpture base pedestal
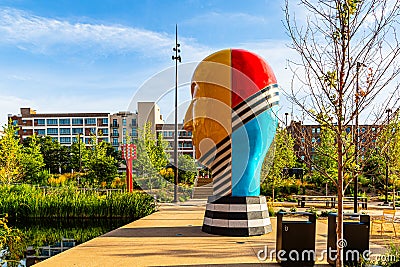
(237,216)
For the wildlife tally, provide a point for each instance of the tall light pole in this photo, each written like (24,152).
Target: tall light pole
(387,161)
(356,137)
(177,58)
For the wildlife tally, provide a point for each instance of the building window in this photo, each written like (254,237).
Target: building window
(105,121)
(65,122)
(54,139)
(77,130)
(92,130)
(77,121)
(302,140)
(189,133)
(41,131)
(15,122)
(52,131)
(134,132)
(103,131)
(363,130)
(302,157)
(65,131)
(124,122)
(115,142)
(348,130)
(90,121)
(165,133)
(65,140)
(124,131)
(318,130)
(39,121)
(52,122)
(133,122)
(88,141)
(115,132)
(170,133)
(313,140)
(115,123)
(373,129)
(75,140)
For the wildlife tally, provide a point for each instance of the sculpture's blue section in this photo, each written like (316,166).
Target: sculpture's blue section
(251,141)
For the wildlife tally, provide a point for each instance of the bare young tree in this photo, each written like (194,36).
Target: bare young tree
(340,43)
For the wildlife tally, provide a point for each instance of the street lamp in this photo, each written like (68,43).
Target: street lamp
(387,161)
(177,58)
(357,98)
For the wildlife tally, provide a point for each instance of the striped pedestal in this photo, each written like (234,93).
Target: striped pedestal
(237,216)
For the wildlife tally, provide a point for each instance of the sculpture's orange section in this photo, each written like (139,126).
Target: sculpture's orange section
(209,115)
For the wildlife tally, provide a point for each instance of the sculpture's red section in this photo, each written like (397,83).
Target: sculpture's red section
(250,73)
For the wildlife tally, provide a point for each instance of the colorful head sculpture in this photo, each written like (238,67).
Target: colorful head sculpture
(233,119)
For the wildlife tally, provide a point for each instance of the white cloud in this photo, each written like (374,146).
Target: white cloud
(46,35)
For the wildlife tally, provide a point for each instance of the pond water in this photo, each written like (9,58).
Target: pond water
(43,232)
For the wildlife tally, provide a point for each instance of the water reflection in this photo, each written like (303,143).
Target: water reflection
(50,232)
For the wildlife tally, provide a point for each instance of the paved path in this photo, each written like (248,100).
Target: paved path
(173,237)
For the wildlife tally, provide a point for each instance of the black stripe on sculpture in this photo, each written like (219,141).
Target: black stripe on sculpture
(269,87)
(250,106)
(253,115)
(204,157)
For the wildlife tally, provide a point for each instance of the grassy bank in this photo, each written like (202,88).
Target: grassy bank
(25,201)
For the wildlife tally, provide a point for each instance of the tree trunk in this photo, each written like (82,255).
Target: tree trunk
(273,195)
(339,227)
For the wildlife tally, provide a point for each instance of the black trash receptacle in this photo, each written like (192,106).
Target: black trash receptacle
(295,239)
(356,238)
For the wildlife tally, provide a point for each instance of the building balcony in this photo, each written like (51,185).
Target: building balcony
(114,125)
(114,134)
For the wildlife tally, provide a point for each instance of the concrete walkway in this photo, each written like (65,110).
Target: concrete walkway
(173,237)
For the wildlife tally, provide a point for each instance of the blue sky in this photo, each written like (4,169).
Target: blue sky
(93,56)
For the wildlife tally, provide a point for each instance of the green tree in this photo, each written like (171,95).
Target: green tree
(187,169)
(324,163)
(11,166)
(100,167)
(389,148)
(79,155)
(55,156)
(284,158)
(151,155)
(374,168)
(32,161)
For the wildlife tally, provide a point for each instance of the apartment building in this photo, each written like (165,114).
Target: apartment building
(122,125)
(114,128)
(62,127)
(185,145)
(308,137)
